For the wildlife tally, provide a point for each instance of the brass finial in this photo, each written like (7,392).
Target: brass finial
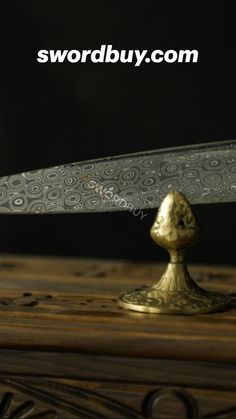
(175,229)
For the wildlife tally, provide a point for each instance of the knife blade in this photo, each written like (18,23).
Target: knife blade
(204,173)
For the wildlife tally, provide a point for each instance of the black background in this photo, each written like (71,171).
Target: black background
(59,113)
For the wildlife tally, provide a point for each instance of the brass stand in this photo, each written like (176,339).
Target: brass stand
(175,229)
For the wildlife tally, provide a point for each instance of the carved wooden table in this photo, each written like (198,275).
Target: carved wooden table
(68,351)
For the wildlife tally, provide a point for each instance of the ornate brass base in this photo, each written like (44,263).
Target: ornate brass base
(174,295)
(175,228)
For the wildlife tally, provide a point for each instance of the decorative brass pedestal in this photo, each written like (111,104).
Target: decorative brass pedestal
(175,229)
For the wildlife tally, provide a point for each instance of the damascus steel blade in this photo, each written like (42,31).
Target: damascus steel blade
(204,173)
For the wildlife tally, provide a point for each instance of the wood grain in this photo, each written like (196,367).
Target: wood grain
(70,304)
(68,351)
(116,386)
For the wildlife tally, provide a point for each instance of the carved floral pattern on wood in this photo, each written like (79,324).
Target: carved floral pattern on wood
(62,401)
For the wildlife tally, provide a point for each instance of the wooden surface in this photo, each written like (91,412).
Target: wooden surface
(58,304)
(68,351)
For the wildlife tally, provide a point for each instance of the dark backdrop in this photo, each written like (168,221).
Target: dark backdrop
(58,113)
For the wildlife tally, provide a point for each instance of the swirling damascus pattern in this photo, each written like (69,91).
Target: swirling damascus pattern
(204,173)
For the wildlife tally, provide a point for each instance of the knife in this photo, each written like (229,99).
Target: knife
(204,173)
